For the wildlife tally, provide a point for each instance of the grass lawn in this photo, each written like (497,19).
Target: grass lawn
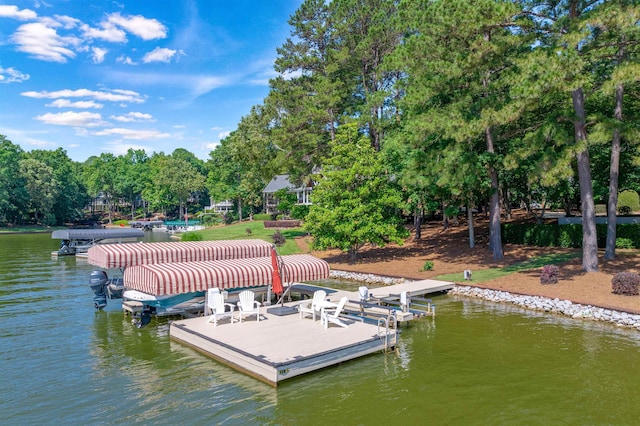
(254,230)
(493,273)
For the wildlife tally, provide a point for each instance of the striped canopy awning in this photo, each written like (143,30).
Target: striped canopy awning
(126,255)
(175,278)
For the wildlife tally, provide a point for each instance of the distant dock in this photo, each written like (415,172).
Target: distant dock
(281,347)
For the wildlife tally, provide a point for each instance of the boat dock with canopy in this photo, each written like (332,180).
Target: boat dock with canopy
(125,256)
(131,255)
(179,288)
(168,279)
(81,240)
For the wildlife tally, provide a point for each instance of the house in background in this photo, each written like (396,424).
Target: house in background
(282,182)
(222,207)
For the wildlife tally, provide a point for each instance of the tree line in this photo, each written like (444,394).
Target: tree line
(460,102)
(48,188)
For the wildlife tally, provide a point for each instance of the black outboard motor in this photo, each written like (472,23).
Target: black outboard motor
(145,317)
(98,281)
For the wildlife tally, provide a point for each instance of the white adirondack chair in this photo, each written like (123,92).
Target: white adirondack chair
(311,306)
(332,315)
(247,305)
(217,307)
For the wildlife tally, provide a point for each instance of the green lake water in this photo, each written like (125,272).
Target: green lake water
(477,363)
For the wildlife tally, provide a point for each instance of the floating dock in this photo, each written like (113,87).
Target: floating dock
(280,347)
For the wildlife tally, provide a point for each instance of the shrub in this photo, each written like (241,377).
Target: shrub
(628,202)
(625,283)
(278,238)
(191,236)
(428,266)
(261,216)
(624,243)
(624,210)
(549,274)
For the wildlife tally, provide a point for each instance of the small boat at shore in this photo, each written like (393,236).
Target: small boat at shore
(75,241)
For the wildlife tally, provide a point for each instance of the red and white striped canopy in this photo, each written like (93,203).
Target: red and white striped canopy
(126,255)
(174,278)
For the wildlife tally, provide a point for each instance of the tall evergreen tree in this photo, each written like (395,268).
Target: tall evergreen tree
(459,59)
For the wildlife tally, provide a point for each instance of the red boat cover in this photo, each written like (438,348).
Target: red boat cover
(174,278)
(126,255)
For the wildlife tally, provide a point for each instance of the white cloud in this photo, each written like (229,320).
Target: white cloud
(98,54)
(70,118)
(146,29)
(67,22)
(132,134)
(13,12)
(224,134)
(107,32)
(116,95)
(125,60)
(161,54)
(212,145)
(41,41)
(66,103)
(12,75)
(133,117)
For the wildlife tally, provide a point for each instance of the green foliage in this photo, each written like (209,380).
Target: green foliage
(624,243)
(567,236)
(355,202)
(286,200)
(428,266)
(192,236)
(299,211)
(211,219)
(628,202)
(261,216)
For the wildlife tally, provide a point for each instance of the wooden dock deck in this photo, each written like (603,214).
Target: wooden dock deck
(279,347)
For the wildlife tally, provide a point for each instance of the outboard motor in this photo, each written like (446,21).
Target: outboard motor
(98,281)
(145,317)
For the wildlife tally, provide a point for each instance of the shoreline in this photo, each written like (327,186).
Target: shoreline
(555,306)
(533,302)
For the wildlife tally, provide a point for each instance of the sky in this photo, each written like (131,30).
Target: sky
(104,76)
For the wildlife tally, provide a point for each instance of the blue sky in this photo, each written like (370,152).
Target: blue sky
(103,76)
